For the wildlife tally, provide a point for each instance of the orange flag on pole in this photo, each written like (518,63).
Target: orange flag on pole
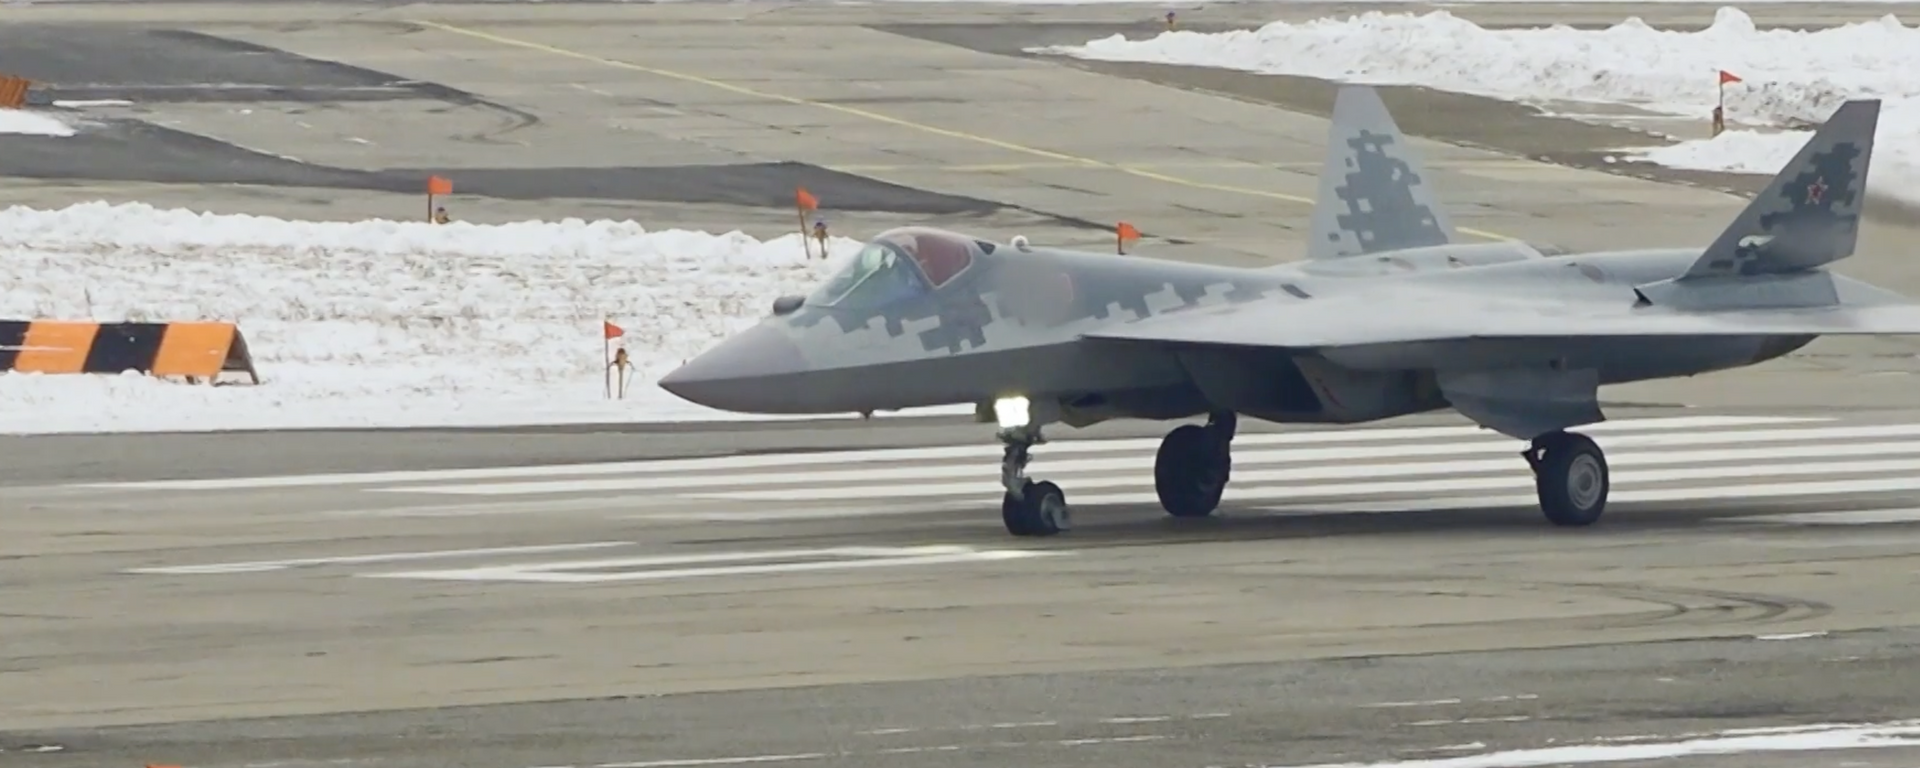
(804,201)
(1124,233)
(1720,111)
(611,332)
(437,185)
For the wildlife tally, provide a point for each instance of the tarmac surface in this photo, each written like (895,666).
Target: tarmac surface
(864,607)
(840,593)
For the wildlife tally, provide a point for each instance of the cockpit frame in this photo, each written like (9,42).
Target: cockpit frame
(899,264)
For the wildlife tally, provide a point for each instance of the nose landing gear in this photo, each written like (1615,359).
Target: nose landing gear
(1029,508)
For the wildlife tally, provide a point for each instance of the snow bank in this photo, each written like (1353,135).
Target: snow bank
(383,323)
(17,121)
(1792,78)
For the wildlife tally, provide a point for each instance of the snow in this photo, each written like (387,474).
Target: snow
(382,323)
(1809,738)
(1792,78)
(1737,151)
(16,121)
(84,103)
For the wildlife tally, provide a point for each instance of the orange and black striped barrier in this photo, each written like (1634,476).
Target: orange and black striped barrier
(13,91)
(198,351)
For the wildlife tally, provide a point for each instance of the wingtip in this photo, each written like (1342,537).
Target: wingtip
(1350,90)
(1863,109)
(1354,99)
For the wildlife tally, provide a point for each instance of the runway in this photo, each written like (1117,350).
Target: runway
(842,593)
(865,607)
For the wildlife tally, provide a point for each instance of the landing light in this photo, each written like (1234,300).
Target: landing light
(1011,412)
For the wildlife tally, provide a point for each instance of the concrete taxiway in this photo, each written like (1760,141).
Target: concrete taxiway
(760,609)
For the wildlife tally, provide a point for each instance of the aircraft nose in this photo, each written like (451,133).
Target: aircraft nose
(734,375)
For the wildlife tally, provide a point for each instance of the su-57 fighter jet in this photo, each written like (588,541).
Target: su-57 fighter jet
(1390,314)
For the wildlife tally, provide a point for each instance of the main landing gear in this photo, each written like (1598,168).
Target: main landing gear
(1570,473)
(1190,471)
(1189,475)
(1194,462)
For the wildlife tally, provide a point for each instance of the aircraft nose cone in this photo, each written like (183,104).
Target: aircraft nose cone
(737,375)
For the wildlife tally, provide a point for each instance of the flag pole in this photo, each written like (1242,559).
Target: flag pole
(805,246)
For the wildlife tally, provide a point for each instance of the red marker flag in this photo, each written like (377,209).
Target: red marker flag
(1728,77)
(612,331)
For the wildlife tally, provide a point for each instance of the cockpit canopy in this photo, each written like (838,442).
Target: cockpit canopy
(899,264)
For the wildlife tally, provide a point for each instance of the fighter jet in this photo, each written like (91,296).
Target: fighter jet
(1390,313)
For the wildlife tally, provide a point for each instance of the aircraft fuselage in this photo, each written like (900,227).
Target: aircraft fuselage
(1010,321)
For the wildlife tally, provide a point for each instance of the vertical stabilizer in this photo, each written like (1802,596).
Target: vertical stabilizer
(1374,196)
(1810,214)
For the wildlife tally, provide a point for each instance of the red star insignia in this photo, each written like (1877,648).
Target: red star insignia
(1817,190)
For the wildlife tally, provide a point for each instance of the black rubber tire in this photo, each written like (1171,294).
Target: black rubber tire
(1042,512)
(1572,479)
(1013,513)
(1191,470)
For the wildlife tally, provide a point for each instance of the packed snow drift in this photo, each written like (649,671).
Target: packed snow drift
(1790,79)
(384,323)
(19,122)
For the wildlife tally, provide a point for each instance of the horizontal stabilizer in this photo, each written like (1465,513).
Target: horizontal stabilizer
(1767,291)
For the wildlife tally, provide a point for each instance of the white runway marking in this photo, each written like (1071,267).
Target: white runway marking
(1470,721)
(1449,702)
(1845,517)
(691,762)
(1026,724)
(662,567)
(1317,471)
(1244,487)
(1816,738)
(881,478)
(1791,636)
(699,762)
(258,566)
(985,450)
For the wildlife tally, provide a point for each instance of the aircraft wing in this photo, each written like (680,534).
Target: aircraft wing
(1369,317)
